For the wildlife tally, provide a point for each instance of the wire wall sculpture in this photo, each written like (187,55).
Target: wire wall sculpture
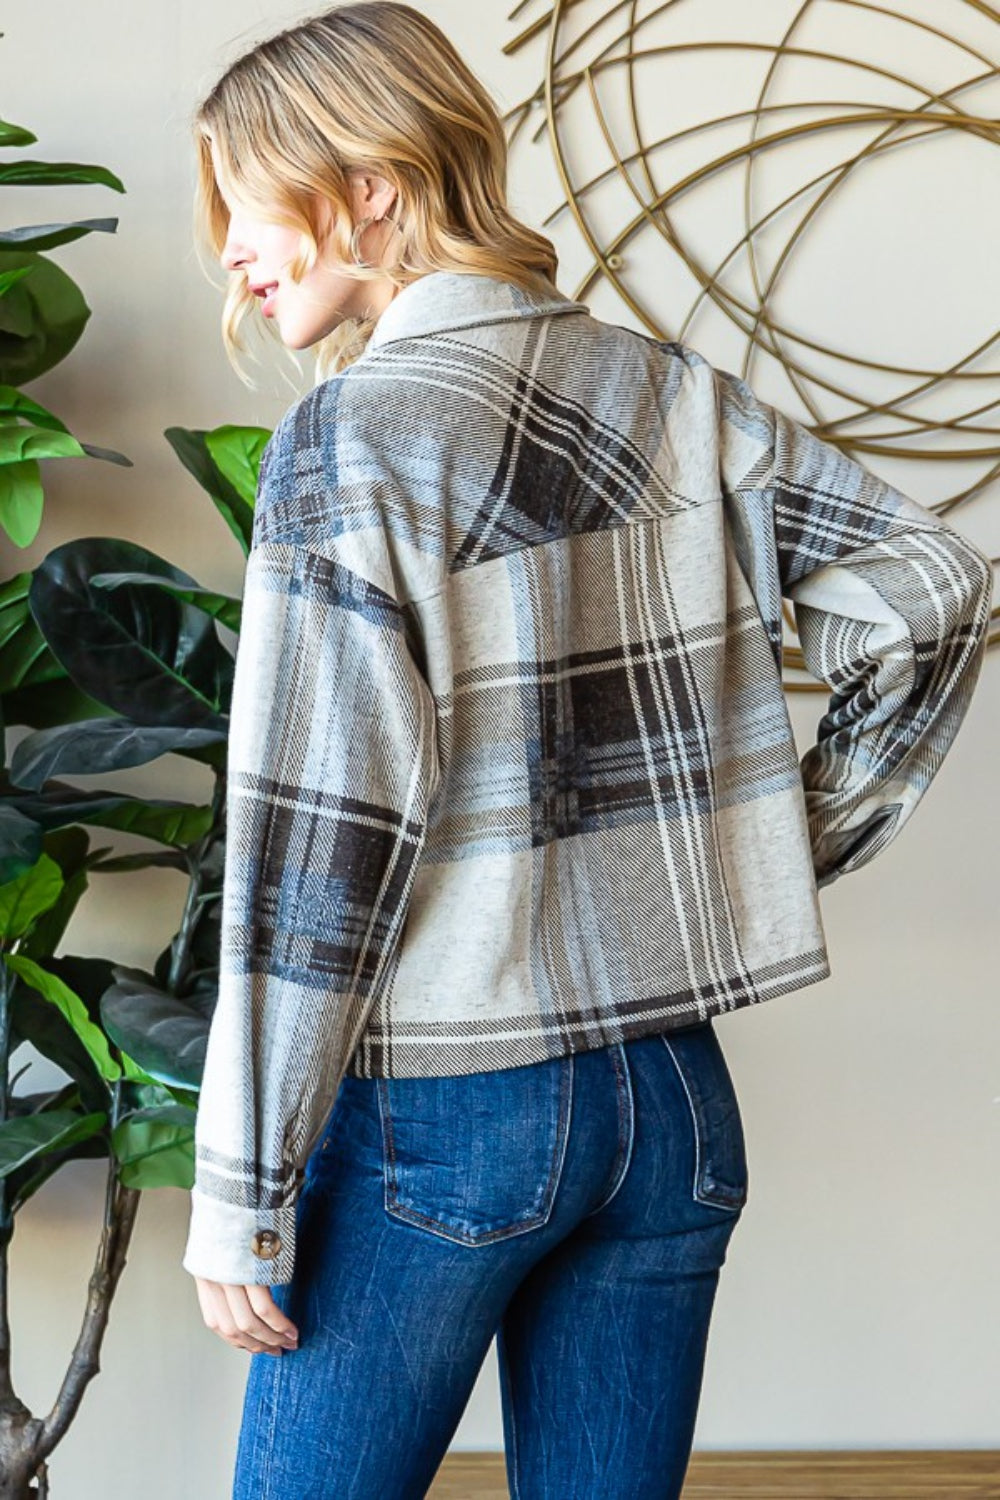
(609,67)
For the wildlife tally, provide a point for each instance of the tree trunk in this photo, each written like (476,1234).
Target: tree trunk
(27,1441)
(19,1461)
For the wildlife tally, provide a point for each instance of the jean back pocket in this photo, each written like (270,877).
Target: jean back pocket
(720,1161)
(476,1157)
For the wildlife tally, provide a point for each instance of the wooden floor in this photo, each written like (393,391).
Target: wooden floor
(930,1475)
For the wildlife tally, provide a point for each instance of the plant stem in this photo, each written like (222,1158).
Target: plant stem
(6,1217)
(195,854)
(121,1206)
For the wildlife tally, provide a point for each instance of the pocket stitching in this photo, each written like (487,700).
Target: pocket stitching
(626,1135)
(704,1189)
(533,1218)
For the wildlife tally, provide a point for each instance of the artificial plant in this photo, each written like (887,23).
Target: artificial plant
(110,657)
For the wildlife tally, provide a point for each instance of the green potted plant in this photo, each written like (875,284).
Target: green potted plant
(110,658)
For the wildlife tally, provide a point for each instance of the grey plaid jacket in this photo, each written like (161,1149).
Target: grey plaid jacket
(511,769)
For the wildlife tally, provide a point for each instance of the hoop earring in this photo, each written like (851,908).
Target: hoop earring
(356,234)
(359,230)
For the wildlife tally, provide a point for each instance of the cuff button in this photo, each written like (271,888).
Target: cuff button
(266,1243)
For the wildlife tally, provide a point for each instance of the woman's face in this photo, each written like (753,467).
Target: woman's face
(308,309)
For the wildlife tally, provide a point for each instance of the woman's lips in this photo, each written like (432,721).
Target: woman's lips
(266,292)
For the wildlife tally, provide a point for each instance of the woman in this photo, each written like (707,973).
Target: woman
(514,804)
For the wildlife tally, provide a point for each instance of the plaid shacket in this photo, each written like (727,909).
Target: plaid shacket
(511,771)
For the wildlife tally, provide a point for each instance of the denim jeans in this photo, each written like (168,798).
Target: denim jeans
(579,1209)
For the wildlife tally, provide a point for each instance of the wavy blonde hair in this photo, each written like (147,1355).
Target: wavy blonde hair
(371,85)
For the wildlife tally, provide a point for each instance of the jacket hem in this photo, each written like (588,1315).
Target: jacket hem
(444,1048)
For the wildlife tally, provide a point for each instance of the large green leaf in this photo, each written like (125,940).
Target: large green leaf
(170,1164)
(56,174)
(22,500)
(221,607)
(40,319)
(34,687)
(25,659)
(71,1007)
(167,1113)
(156,1095)
(166,822)
(108,455)
(49,236)
(21,1105)
(43,704)
(23,900)
(157,859)
(18,442)
(10,279)
(22,1139)
(20,843)
(136,1076)
(236,453)
(17,314)
(14,403)
(155,1147)
(190,446)
(97,746)
(174,823)
(166,1037)
(89,978)
(154,659)
(70,849)
(24,1181)
(36,1021)
(15,135)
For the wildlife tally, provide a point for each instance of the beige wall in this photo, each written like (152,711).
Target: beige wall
(859,1304)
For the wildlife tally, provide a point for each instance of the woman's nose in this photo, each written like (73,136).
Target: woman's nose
(234,255)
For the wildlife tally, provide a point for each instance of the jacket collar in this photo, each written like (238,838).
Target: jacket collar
(455,299)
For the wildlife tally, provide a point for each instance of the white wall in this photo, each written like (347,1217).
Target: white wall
(859,1304)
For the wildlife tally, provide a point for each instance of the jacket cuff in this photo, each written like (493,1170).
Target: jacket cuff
(239,1246)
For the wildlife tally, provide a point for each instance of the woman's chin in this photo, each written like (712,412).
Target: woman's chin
(297,337)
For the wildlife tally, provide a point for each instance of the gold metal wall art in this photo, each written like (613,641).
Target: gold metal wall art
(694,173)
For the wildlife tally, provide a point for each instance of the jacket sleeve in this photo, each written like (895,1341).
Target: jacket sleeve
(892,608)
(331,768)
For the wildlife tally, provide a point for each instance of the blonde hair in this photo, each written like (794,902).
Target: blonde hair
(373,85)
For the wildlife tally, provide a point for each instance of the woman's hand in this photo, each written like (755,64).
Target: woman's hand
(246,1317)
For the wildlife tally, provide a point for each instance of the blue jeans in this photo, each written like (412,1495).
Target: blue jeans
(579,1209)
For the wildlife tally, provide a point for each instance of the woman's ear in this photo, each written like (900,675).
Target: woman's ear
(372,196)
